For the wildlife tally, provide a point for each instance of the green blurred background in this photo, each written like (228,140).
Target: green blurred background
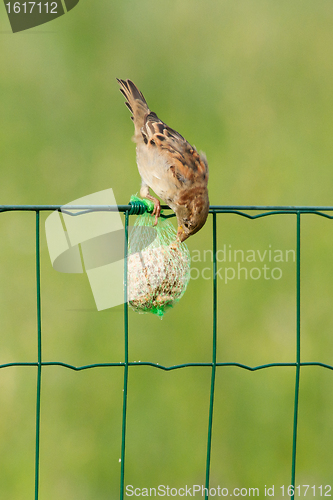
(250,83)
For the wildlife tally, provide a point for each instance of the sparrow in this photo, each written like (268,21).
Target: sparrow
(168,165)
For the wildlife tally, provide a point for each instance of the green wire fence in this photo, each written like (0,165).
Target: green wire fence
(136,208)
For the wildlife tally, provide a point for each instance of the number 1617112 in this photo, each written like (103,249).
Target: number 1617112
(29,7)
(306,490)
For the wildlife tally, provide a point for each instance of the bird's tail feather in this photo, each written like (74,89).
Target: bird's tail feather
(135,102)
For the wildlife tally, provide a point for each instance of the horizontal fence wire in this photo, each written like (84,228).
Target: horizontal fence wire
(263,211)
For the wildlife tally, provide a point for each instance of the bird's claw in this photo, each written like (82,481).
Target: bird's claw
(156,211)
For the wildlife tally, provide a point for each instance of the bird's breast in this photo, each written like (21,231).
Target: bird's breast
(154,170)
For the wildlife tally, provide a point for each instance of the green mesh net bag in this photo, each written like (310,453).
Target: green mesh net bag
(158,266)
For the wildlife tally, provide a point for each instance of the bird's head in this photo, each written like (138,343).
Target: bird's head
(192,217)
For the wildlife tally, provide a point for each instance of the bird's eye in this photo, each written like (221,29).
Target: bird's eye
(187,223)
(152,142)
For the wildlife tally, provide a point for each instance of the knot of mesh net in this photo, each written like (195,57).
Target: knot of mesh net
(139,206)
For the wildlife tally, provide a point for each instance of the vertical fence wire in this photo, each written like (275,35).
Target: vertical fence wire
(298,346)
(212,389)
(39,366)
(123,434)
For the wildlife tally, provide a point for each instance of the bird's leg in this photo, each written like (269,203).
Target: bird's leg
(157,207)
(144,193)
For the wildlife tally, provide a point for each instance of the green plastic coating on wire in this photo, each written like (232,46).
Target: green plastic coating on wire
(39,354)
(298,348)
(213,376)
(123,432)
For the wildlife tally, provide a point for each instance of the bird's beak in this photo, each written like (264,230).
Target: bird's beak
(181,235)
